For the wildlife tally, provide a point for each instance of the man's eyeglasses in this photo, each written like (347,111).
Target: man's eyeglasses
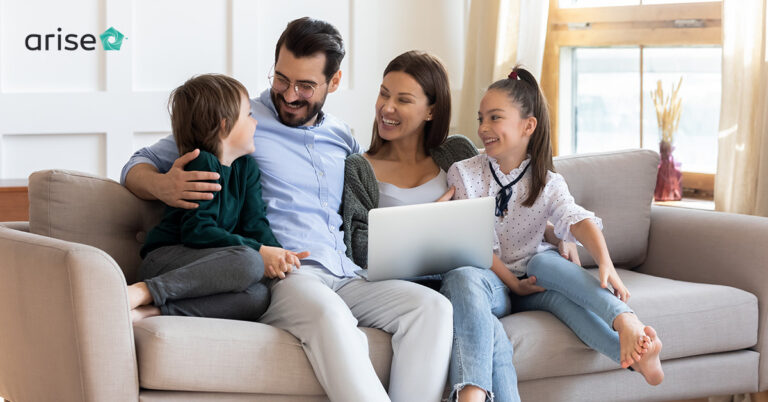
(303,89)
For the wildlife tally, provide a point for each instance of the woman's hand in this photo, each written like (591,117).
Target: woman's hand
(448,195)
(278,261)
(569,251)
(608,275)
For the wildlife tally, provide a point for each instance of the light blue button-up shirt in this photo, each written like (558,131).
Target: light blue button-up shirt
(302,177)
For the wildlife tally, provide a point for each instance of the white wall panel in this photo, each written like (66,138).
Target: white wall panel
(175,39)
(52,70)
(23,154)
(145,139)
(273,16)
(122,95)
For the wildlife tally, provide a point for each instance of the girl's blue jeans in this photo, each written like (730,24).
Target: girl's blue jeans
(482,352)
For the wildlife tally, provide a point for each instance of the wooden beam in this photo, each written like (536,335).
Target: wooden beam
(634,37)
(660,12)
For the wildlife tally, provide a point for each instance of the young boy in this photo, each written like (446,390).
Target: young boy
(210,261)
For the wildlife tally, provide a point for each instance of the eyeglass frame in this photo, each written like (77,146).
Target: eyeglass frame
(292,84)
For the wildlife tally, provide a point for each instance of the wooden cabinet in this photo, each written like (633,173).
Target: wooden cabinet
(14,201)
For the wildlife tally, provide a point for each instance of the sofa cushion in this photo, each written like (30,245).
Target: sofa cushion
(92,210)
(206,354)
(691,319)
(617,187)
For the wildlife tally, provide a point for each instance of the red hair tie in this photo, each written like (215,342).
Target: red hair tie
(513,76)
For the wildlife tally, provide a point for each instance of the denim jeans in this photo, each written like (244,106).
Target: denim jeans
(482,352)
(576,298)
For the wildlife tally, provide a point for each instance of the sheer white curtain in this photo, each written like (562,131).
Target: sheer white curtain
(500,34)
(741,183)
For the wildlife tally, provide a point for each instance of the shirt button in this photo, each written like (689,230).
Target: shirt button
(330,227)
(310,146)
(325,204)
(320,174)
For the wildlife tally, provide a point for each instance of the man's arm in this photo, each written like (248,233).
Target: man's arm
(157,173)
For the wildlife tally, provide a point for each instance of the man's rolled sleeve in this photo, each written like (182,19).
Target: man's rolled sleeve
(160,155)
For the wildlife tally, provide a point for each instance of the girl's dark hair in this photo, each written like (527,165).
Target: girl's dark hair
(524,92)
(198,107)
(306,36)
(430,74)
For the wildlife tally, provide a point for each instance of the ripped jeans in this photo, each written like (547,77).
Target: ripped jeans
(482,352)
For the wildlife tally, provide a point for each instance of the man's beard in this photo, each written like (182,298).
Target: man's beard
(287,117)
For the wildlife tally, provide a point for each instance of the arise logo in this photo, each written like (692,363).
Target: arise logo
(111,39)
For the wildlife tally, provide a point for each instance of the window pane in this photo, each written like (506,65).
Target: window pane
(596,3)
(695,141)
(606,99)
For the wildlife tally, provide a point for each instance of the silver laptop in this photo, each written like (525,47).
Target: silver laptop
(416,240)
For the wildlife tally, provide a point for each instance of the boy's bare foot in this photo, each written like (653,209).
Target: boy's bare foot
(138,295)
(632,339)
(142,312)
(650,365)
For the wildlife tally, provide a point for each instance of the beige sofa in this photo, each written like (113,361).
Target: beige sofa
(701,278)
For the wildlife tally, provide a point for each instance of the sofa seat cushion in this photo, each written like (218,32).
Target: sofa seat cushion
(205,354)
(691,319)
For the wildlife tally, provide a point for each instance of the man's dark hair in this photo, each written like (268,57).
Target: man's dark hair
(306,36)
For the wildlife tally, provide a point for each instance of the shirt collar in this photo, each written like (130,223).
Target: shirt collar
(513,173)
(266,99)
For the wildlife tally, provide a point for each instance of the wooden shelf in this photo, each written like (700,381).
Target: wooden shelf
(14,200)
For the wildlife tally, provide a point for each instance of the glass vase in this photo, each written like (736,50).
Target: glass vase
(669,179)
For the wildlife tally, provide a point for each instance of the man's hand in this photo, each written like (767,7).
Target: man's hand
(177,186)
(278,261)
(569,251)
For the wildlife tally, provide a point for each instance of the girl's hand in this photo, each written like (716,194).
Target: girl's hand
(527,286)
(278,261)
(569,251)
(608,275)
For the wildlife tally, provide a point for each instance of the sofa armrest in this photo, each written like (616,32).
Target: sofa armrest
(65,327)
(19,225)
(714,247)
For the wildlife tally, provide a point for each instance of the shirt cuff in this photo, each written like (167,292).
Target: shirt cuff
(133,162)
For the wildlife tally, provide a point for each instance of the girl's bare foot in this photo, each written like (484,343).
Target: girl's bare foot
(650,365)
(142,312)
(138,295)
(632,339)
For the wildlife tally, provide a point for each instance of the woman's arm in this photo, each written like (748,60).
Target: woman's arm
(360,196)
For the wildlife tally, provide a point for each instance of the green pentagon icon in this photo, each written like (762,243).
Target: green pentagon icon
(111,39)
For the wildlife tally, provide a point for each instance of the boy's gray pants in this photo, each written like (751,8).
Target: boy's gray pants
(222,282)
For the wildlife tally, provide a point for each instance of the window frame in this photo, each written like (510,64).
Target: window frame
(638,25)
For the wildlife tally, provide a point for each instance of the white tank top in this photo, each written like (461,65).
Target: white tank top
(391,195)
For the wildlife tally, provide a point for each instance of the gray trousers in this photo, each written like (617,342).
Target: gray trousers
(222,282)
(324,312)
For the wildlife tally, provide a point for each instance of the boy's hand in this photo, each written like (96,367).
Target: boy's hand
(527,286)
(569,251)
(278,261)
(177,186)
(448,195)
(608,275)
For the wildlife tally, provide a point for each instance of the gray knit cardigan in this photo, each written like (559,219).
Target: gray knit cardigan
(361,192)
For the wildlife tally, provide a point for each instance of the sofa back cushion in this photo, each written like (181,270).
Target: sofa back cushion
(92,210)
(618,187)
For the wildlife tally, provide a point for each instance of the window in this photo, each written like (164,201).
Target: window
(601,64)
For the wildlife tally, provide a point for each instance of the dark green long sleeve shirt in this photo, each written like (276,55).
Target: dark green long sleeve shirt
(236,216)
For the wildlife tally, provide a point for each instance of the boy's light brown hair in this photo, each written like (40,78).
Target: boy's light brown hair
(198,107)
